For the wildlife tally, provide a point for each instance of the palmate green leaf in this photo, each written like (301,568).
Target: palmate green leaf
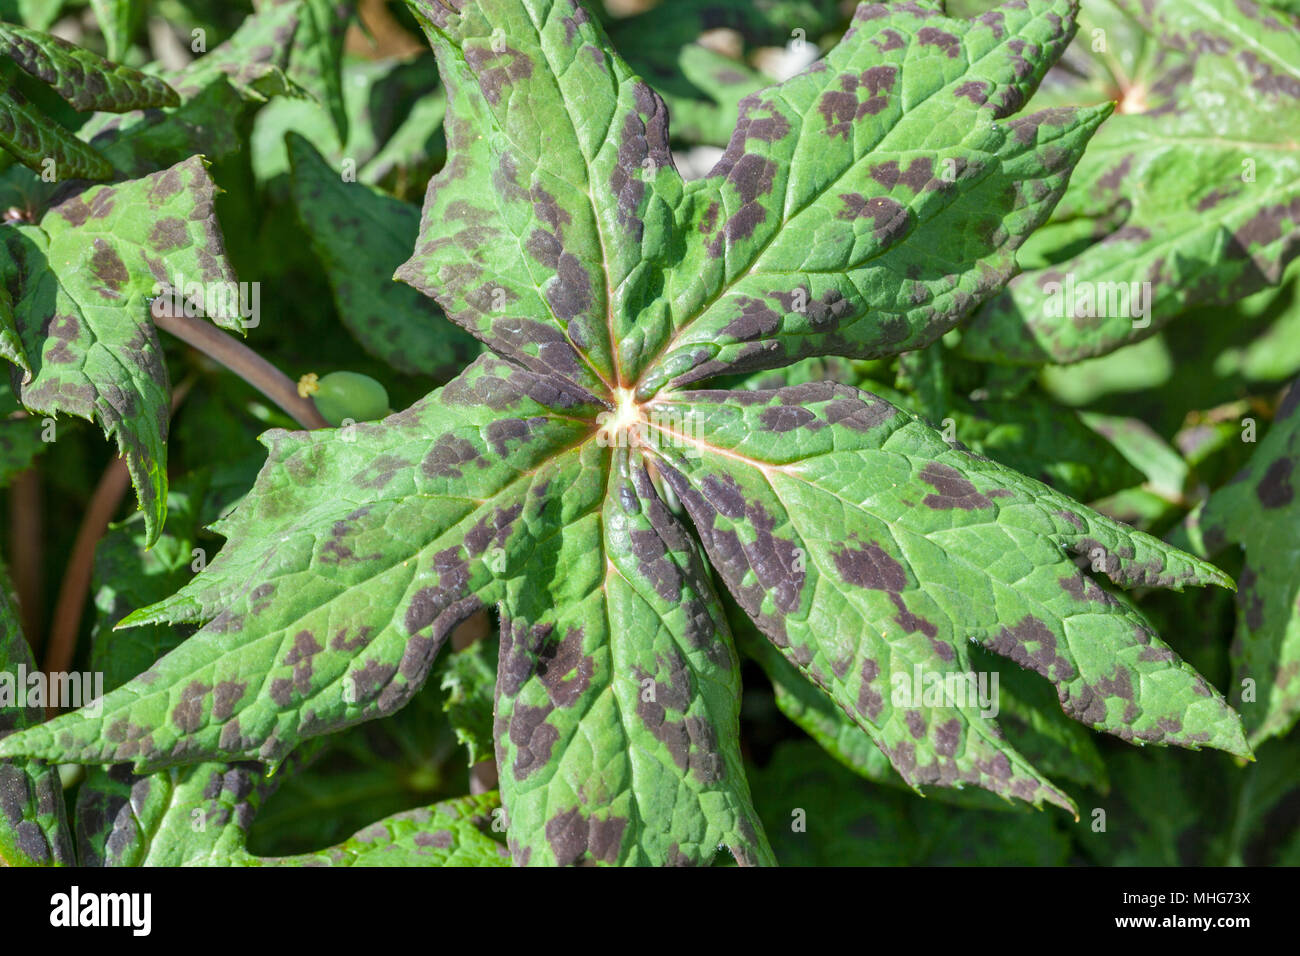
(520,264)
(1027,431)
(455,504)
(402,533)
(1195,193)
(361,236)
(1032,721)
(825,492)
(864,214)
(543,479)
(1258,510)
(33,821)
(84,79)
(79,280)
(806,239)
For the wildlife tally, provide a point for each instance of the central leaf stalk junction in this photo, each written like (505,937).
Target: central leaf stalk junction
(625,425)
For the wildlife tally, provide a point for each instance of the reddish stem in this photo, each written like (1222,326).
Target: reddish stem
(243,361)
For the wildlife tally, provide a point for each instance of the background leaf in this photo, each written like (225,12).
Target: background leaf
(847,821)
(33,822)
(361,236)
(36,140)
(1258,511)
(1205,182)
(117,20)
(79,283)
(84,79)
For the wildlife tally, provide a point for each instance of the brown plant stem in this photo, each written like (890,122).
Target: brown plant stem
(243,361)
(105,501)
(113,484)
(379,35)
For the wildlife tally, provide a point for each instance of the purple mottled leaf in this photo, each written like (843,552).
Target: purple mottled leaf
(84,79)
(1189,197)
(80,280)
(572,482)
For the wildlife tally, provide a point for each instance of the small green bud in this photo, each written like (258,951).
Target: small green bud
(343,395)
